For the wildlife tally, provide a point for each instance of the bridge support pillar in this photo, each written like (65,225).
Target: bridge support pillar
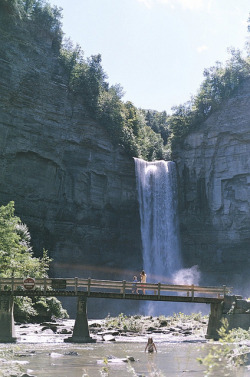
(7,327)
(81,328)
(214,322)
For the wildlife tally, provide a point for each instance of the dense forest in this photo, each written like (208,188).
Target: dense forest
(144,133)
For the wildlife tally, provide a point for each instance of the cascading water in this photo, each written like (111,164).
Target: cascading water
(157,195)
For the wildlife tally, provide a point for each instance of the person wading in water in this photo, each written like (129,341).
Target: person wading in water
(150,346)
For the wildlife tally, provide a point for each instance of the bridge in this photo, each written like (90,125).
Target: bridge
(88,288)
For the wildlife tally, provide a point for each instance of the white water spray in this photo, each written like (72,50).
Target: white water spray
(157,195)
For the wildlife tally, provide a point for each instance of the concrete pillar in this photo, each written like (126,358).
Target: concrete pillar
(81,328)
(7,327)
(214,322)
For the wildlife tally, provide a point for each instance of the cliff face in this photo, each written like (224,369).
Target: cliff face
(71,186)
(76,191)
(214,185)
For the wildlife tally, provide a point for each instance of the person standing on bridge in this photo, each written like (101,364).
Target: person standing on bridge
(143,280)
(134,287)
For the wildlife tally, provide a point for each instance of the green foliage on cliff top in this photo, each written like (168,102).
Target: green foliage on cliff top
(38,14)
(219,84)
(147,133)
(125,123)
(142,133)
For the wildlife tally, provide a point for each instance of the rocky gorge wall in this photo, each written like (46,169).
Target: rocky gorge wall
(73,188)
(76,191)
(214,193)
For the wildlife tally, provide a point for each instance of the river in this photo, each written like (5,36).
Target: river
(47,355)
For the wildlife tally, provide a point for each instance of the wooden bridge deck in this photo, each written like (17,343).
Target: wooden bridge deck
(75,287)
(113,295)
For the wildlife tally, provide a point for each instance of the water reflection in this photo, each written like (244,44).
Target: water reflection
(151,365)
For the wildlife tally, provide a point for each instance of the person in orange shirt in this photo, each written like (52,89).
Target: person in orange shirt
(143,280)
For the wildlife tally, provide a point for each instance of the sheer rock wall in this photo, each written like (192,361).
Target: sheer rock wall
(74,189)
(214,192)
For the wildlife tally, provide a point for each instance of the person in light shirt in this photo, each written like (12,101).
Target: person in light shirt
(134,287)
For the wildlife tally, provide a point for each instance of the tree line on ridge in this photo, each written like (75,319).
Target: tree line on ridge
(144,133)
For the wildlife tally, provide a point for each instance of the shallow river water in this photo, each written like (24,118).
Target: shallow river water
(170,360)
(47,355)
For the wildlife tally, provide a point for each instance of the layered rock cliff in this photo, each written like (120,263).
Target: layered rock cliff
(73,188)
(76,191)
(214,188)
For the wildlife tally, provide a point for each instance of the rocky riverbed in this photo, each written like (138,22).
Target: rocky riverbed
(40,350)
(48,337)
(178,326)
(121,328)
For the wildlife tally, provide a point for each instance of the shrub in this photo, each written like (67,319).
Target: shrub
(24,310)
(229,354)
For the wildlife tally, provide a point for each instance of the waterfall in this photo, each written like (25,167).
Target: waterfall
(157,195)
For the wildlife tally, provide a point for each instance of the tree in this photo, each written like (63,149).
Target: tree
(219,84)
(17,260)
(16,256)
(158,122)
(150,144)
(132,117)
(124,122)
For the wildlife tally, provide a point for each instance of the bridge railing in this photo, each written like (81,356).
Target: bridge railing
(95,285)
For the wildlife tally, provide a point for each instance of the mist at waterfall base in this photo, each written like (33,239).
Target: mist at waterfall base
(156,184)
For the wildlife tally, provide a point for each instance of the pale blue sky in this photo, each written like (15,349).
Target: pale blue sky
(156,49)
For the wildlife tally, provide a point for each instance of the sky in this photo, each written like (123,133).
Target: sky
(156,50)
